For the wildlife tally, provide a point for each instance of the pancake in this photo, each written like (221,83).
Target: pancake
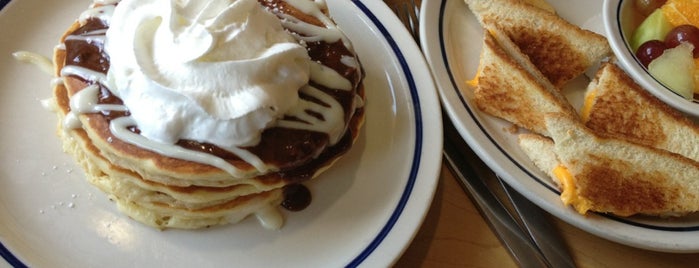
(193,184)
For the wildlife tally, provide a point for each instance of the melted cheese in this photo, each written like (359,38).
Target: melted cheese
(474,82)
(587,105)
(569,195)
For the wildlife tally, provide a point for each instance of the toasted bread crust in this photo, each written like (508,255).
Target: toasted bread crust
(561,50)
(616,186)
(622,108)
(518,97)
(541,151)
(622,177)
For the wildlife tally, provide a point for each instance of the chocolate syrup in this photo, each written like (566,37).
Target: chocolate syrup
(296,197)
(298,153)
(87,54)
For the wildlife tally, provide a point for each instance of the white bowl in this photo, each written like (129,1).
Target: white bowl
(620,19)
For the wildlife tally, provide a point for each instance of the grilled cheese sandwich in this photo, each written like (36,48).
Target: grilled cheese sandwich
(616,105)
(611,175)
(510,87)
(560,49)
(569,194)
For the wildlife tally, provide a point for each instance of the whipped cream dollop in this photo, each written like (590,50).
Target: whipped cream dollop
(218,71)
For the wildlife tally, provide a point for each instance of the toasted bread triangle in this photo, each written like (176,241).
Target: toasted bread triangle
(616,105)
(509,86)
(611,175)
(560,49)
(541,151)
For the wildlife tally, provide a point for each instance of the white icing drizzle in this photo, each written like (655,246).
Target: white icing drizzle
(119,126)
(270,217)
(314,33)
(103,13)
(331,111)
(320,74)
(94,36)
(49,104)
(84,73)
(330,33)
(328,77)
(358,102)
(349,61)
(56,81)
(250,158)
(42,62)
(71,121)
(85,101)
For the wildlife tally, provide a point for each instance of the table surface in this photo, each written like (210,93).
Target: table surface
(454,234)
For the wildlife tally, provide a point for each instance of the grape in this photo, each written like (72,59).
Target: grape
(649,51)
(684,33)
(645,7)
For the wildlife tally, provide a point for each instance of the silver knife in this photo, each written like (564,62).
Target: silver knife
(485,189)
(520,247)
(535,223)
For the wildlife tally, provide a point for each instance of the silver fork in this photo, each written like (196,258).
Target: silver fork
(520,225)
(408,12)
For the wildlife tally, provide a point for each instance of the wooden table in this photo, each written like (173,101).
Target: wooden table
(455,235)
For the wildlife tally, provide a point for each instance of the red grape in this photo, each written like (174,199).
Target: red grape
(684,33)
(649,51)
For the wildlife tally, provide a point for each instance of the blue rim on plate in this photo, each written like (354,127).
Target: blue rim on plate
(418,139)
(415,165)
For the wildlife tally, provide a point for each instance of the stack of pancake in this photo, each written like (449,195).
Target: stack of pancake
(219,186)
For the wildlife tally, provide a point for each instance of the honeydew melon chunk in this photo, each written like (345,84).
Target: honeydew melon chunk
(675,69)
(654,27)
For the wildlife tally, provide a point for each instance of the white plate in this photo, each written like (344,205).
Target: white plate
(451,40)
(366,209)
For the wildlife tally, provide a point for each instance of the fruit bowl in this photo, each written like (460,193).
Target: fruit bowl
(621,18)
